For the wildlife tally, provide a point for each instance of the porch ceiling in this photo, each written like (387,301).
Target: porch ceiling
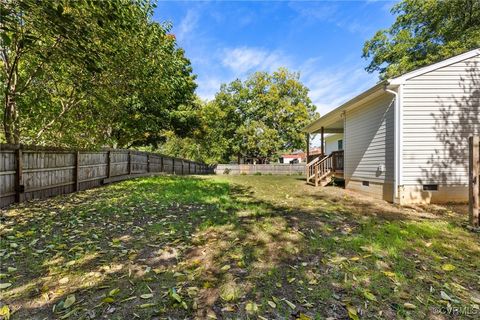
(336,127)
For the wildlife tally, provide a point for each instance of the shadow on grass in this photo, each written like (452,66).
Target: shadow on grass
(193,247)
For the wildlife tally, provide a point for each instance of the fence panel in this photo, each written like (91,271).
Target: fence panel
(474,180)
(273,168)
(7,177)
(29,172)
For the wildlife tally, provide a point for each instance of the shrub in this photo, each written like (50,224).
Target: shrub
(257,174)
(227,171)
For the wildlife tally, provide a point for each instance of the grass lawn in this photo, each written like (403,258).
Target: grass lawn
(258,247)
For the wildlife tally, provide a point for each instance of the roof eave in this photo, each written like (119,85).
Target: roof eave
(434,66)
(333,115)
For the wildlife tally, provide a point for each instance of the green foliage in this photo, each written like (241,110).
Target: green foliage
(423,33)
(86,73)
(254,118)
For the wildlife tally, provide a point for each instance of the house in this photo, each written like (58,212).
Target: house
(298,156)
(294,157)
(405,140)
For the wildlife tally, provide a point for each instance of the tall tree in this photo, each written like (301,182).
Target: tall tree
(425,31)
(36,35)
(254,118)
(88,73)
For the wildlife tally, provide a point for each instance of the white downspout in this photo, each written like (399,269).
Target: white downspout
(397,137)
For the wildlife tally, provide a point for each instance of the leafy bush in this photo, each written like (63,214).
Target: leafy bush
(227,171)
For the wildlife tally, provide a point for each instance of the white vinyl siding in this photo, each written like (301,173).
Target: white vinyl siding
(369,141)
(331,143)
(440,111)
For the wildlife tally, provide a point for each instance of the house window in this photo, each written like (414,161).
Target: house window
(340,144)
(365,183)
(430,187)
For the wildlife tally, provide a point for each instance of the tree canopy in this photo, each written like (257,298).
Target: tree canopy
(91,73)
(425,31)
(255,118)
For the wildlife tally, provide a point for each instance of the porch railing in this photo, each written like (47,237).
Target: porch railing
(322,166)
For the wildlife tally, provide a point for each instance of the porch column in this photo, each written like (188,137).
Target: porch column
(308,147)
(322,138)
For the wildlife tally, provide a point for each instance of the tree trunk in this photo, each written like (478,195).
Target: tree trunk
(10,118)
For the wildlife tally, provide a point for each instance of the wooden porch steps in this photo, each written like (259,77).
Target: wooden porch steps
(321,170)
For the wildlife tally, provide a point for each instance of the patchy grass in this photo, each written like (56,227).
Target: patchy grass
(234,246)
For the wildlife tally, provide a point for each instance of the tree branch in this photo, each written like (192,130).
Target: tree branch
(65,108)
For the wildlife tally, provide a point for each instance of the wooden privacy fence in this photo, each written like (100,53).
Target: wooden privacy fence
(273,168)
(474,181)
(34,172)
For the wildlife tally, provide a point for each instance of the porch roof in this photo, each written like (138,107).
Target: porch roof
(333,122)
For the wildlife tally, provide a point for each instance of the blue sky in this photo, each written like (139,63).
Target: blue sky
(322,40)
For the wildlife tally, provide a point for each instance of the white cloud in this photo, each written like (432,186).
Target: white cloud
(244,59)
(188,24)
(209,85)
(323,11)
(330,87)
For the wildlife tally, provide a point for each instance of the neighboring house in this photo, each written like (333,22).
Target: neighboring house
(405,139)
(298,156)
(292,158)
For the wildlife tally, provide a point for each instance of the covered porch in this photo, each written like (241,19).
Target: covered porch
(321,168)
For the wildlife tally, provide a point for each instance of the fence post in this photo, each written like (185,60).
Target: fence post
(173,165)
(148,162)
(76,174)
(109,164)
(474,188)
(183,164)
(19,187)
(129,162)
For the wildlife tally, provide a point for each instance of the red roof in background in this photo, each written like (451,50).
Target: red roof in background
(302,154)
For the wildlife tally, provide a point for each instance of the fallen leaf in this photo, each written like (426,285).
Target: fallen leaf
(69,301)
(352,313)
(5,285)
(272,304)
(114,292)
(176,296)
(146,296)
(389,274)
(445,296)
(448,267)
(370,296)
(251,307)
(291,305)
(410,306)
(108,300)
(475,300)
(5,312)
(225,267)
